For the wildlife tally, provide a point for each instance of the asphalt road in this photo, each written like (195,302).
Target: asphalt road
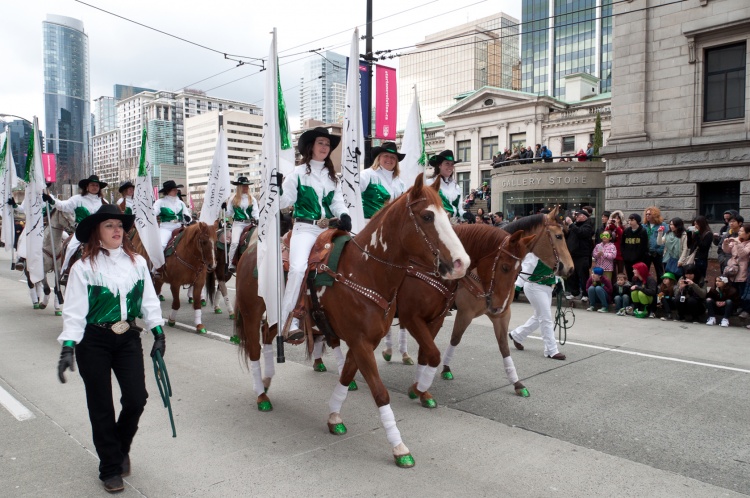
(640,408)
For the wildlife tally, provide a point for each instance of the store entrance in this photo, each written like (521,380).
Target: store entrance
(526,202)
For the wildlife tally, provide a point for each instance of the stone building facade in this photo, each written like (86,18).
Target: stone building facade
(680,108)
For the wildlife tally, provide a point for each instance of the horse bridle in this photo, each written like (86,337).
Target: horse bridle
(203,265)
(547,225)
(488,295)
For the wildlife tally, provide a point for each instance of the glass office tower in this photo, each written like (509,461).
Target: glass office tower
(323,90)
(66,98)
(561,37)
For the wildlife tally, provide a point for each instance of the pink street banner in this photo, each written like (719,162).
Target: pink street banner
(49,163)
(385,102)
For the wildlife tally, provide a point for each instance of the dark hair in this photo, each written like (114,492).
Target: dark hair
(84,191)
(607,213)
(688,269)
(679,226)
(746,227)
(482,211)
(702,224)
(92,248)
(307,157)
(738,217)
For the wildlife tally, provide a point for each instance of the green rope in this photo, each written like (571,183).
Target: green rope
(165,388)
(562,323)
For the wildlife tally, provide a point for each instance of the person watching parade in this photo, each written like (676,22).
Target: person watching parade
(171,211)
(108,288)
(315,192)
(244,213)
(450,191)
(125,202)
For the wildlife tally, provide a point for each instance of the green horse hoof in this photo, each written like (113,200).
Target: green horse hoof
(235,339)
(429,403)
(36,306)
(386,356)
(218,311)
(161,298)
(404,461)
(231,316)
(337,429)
(320,367)
(171,323)
(58,313)
(203,302)
(353,385)
(190,300)
(202,330)
(523,392)
(412,394)
(265,406)
(447,375)
(406,360)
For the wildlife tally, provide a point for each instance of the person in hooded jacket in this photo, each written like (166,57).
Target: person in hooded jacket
(634,244)
(643,290)
(579,233)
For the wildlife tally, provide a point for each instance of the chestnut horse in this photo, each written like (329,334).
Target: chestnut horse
(193,258)
(552,250)
(220,276)
(361,305)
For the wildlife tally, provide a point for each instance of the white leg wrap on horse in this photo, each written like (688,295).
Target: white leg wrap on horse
(257,378)
(426,378)
(403,336)
(228,304)
(33,295)
(389,339)
(173,315)
(510,370)
(198,315)
(418,372)
(337,398)
(317,349)
(448,355)
(268,361)
(339,355)
(388,419)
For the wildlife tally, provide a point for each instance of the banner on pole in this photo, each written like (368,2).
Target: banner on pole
(8,182)
(49,164)
(33,204)
(218,189)
(385,102)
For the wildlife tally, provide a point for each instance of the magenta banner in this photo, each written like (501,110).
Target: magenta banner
(49,163)
(385,102)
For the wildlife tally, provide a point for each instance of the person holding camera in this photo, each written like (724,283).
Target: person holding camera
(690,295)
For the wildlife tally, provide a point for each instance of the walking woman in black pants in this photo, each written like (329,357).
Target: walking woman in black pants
(107,289)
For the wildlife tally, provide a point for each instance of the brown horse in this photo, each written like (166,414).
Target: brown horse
(193,258)
(362,303)
(221,275)
(551,249)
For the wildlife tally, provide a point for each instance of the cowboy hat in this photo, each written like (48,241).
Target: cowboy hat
(308,138)
(446,155)
(125,185)
(84,184)
(169,185)
(106,212)
(389,147)
(242,180)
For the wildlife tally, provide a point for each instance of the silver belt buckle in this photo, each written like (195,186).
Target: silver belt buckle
(120,327)
(323,223)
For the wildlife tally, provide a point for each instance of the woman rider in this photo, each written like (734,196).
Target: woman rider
(125,203)
(244,212)
(170,210)
(450,191)
(314,191)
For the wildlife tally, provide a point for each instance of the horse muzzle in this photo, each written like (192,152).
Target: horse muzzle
(454,270)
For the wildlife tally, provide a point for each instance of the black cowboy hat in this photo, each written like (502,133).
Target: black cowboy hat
(84,184)
(308,138)
(106,212)
(242,180)
(389,147)
(126,185)
(446,155)
(169,185)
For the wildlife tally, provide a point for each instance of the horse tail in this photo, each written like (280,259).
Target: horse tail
(211,286)
(243,350)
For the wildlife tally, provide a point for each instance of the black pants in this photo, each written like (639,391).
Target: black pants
(692,307)
(656,259)
(577,282)
(100,353)
(713,308)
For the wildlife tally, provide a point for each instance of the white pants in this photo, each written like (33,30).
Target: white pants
(237,228)
(540,298)
(303,239)
(165,232)
(73,246)
(21,247)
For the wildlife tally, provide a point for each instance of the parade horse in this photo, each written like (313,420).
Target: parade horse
(551,249)
(194,256)
(221,275)
(60,223)
(361,305)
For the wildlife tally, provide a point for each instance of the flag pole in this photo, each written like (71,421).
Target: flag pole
(280,358)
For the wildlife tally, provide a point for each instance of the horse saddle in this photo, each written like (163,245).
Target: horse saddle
(174,239)
(245,237)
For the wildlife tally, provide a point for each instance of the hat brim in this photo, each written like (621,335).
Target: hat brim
(376,151)
(164,191)
(309,137)
(85,183)
(87,225)
(436,160)
(125,187)
(241,183)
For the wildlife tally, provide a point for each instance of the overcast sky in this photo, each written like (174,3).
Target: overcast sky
(125,53)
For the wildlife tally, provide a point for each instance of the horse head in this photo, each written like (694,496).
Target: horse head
(430,234)
(63,221)
(502,268)
(207,244)
(553,250)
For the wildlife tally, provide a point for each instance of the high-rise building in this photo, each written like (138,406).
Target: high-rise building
(455,61)
(66,98)
(106,156)
(323,89)
(20,132)
(105,115)
(561,37)
(126,91)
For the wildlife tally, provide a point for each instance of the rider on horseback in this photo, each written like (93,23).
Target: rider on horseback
(125,203)
(244,213)
(171,212)
(450,190)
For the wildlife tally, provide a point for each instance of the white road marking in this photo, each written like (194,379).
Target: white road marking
(208,332)
(15,407)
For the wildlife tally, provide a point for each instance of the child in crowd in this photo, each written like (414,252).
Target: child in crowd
(621,292)
(599,290)
(666,294)
(721,299)
(643,290)
(690,295)
(605,253)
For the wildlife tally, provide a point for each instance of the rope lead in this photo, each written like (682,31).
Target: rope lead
(165,388)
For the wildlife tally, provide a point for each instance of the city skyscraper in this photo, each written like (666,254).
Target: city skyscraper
(323,90)
(561,37)
(67,106)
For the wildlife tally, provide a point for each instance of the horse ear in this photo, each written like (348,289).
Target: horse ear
(216,224)
(418,185)
(528,241)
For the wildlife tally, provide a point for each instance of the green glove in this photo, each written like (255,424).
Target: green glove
(159,341)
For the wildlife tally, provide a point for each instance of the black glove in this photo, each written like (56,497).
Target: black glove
(48,199)
(12,202)
(345,223)
(223,205)
(66,362)
(187,218)
(160,342)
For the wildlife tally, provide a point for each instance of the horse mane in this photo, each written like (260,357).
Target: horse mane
(526,223)
(484,237)
(192,232)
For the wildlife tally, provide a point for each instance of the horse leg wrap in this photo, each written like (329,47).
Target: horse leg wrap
(173,315)
(403,337)
(198,315)
(268,360)
(418,372)
(388,419)
(33,295)
(338,397)
(389,339)
(257,378)
(426,378)
(228,304)
(448,356)
(318,347)
(510,370)
(339,355)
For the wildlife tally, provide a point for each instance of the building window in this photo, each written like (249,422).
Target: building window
(517,141)
(489,148)
(717,197)
(486,177)
(568,144)
(724,87)
(464,150)
(463,180)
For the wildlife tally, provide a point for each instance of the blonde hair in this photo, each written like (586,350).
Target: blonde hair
(376,164)
(237,199)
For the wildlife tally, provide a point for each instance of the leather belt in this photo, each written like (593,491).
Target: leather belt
(321,223)
(117,327)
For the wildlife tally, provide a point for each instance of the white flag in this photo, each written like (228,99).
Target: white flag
(218,189)
(353,140)
(33,205)
(8,181)
(413,146)
(277,157)
(143,200)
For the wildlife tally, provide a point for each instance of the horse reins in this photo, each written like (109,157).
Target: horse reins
(196,270)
